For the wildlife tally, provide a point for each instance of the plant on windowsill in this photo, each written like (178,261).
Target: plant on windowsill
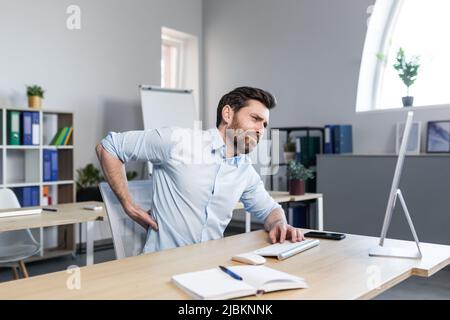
(407,71)
(297,175)
(35,95)
(88,180)
(289,150)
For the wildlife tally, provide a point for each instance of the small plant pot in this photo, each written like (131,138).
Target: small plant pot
(34,102)
(289,156)
(408,101)
(296,187)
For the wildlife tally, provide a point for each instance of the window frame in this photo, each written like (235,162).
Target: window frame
(178,43)
(382,22)
(381,26)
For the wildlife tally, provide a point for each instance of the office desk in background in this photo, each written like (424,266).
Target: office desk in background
(74,213)
(284,198)
(70,213)
(333,270)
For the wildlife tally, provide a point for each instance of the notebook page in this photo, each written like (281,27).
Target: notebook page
(212,284)
(269,279)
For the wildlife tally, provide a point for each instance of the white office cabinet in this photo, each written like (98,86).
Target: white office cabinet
(23,166)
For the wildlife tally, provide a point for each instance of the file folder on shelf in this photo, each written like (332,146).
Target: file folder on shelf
(35,129)
(13,126)
(54,165)
(343,141)
(329,139)
(27,138)
(47,165)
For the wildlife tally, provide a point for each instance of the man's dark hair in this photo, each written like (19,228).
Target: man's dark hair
(238,98)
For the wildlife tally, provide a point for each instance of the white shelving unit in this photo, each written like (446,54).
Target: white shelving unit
(22,166)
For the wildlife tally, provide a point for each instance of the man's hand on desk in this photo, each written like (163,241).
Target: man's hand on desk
(281,231)
(141,216)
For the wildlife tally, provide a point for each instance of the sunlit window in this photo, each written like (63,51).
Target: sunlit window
(421,29)
(171,58)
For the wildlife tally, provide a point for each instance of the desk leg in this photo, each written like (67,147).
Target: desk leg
(320,213)
(248,222)
(89,228)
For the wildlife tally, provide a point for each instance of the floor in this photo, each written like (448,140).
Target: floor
(436,287)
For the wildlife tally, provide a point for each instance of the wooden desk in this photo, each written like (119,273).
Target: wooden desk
(333,270)
(70,213)
(285,197)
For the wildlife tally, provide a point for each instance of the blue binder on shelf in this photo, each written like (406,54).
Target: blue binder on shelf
(329,139)
(343,139)
(24,196)
(299,217)
(27,200)
(35,132)
(19,195)
(34,196)
(54,165)
(47,164)
(50,163)
(27,138)
(27,196)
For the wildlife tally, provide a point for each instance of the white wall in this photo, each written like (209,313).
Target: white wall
(95,71)
(308,53)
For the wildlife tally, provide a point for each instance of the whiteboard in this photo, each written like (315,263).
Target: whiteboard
(167,108)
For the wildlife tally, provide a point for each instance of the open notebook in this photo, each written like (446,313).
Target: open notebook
(214,284)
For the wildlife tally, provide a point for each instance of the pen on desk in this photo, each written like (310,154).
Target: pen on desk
(231,273)
(50,209)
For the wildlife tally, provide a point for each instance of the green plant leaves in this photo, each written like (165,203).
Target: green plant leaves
(90,176)
(35,90)
(407,69)
(296,170)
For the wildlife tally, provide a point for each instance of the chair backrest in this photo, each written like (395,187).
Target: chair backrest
(128,236)
(8,200)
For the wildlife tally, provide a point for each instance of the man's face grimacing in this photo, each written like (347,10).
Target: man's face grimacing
(247,126)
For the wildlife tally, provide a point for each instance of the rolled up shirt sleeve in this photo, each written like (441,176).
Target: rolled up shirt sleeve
(256,199)
(152,145)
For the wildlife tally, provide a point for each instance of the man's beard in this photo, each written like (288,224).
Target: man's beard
(242,143)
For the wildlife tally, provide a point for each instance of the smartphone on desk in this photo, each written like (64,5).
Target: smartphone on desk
(325,235)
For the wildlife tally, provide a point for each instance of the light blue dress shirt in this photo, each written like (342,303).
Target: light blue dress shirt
(195,187)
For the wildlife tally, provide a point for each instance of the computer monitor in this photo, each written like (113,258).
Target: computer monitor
(395,194)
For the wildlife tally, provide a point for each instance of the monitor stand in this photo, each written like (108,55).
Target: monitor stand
(381,251)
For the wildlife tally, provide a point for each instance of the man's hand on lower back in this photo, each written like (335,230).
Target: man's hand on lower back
(141,216)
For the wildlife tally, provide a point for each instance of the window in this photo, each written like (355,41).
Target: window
(180,62)
(420,28)
(171,61)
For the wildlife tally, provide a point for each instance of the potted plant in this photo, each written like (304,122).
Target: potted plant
(87,183)
(35,95)
(289,150)
(297,175)
(407,71)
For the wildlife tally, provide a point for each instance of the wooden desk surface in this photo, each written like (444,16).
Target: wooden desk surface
(67,214)
(333,270)
(281,197)
(74,213)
